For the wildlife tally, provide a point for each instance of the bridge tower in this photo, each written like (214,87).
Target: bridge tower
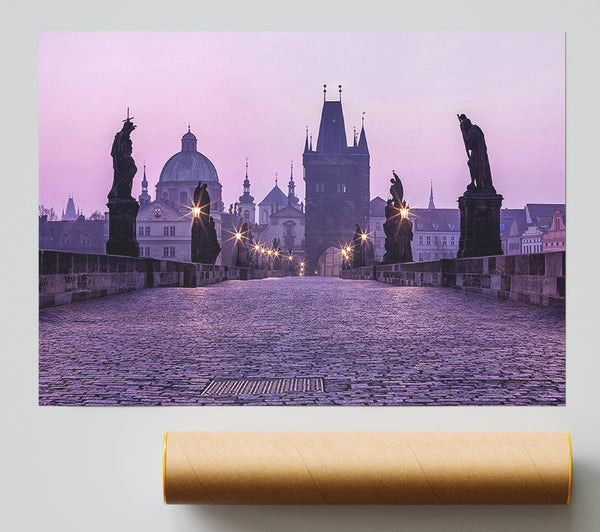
(337,178)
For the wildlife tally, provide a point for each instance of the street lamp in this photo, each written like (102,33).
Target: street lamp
(196,212)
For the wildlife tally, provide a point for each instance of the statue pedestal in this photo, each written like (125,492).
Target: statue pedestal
(121,227)
(205,247)
(479,224)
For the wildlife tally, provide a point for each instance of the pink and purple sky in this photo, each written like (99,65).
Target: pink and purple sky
(252,95)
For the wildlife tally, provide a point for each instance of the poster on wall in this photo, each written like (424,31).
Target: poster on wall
(302,218)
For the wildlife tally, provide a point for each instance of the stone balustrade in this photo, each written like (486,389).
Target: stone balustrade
(536,278)
(66,277)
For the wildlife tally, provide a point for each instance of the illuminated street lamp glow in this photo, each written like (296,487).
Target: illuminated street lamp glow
(196,212)
(270,252)
(276,253)
(257,247)
(238,236)
(404,211)
(363,236)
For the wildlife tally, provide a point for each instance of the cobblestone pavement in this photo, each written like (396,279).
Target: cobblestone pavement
(372,343)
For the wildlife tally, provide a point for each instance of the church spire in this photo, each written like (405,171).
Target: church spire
(431,204)
(144,198)
(246,198)
(292,199)
(362,141)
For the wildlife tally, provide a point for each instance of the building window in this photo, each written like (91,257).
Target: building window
(341,188)
(319,187)
(147,230)
(172,251)
(451,240)
(183,198)
(428,240)
(165,252)
(265,217)
(166,230)
(444,240)
(172,230)
(140,231)
(420,239)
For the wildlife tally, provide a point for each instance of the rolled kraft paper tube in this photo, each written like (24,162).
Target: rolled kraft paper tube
(367,467)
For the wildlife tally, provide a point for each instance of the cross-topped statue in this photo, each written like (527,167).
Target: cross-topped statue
(122,207)
(129,118)
(123,163)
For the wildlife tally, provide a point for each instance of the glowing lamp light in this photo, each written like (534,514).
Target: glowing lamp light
(196,212)
(270,252)
(276,253)
(290,257)
(257,247)
(363,236)
(238,236)
(404,211)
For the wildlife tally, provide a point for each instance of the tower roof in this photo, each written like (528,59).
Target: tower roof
(275,197)
(332,131)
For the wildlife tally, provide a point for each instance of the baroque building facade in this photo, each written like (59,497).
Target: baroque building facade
(163,226)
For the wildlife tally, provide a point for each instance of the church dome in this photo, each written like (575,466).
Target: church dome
(189,164)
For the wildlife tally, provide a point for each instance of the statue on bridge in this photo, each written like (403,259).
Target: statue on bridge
(480,204)
(242,251)
(124,168)
(478,163)
(122,208)
(358,248)
(397,226)
(396,190)
(205,246)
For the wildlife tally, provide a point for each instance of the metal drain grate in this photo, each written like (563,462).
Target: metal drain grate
(263,386)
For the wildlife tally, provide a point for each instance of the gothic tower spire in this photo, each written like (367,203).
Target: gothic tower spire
(431,204)
(144,198)
(292,199)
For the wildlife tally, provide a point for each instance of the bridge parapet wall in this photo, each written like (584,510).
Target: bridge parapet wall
(537,278)
(66,277)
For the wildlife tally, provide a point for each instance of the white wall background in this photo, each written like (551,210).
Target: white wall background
(99,469)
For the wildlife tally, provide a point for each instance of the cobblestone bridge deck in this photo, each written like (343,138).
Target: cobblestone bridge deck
(370,343)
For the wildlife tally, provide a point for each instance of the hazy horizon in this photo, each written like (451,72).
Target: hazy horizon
(252,95)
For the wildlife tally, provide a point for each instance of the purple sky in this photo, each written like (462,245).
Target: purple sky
(252,94)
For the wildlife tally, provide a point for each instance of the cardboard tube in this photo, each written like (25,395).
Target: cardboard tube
(367,467)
